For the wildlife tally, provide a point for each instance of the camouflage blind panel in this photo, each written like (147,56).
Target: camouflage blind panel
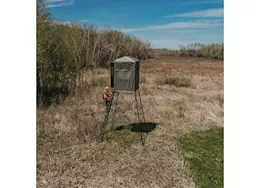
(125,74)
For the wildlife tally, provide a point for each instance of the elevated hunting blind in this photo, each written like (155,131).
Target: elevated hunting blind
(125,74)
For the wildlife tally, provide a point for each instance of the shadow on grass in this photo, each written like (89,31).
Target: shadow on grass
(143,128)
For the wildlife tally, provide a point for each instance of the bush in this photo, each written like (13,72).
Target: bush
(177,81)
(215,51)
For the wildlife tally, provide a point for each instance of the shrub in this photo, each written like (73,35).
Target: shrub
(215,51)
(177,81)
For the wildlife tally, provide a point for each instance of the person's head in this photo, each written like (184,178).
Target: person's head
(106,89)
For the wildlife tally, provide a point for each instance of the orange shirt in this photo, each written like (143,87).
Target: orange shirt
(106,95)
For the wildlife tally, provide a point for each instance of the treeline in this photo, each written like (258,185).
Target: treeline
(215,51)
(63,50)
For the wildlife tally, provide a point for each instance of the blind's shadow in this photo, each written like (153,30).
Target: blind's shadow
(144,127)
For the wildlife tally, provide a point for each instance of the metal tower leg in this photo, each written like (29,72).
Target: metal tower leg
(114,112)
(141,105)
(142,136)
(137,107)
(106,117)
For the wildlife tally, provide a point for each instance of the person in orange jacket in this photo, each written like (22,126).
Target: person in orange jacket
(107,97)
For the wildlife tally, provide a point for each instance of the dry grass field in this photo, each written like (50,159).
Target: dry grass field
(181,95)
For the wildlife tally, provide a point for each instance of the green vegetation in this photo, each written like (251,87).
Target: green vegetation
(177,81)
(63,50)
(204,152)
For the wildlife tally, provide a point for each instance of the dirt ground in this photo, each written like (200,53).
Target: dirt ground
(69,153)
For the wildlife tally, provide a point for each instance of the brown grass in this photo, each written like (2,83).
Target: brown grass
(176,81)
(70,155)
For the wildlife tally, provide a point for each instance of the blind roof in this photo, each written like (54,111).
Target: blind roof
(126,59)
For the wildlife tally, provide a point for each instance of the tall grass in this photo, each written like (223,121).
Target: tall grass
(69,153)
(177,81)
(63,50)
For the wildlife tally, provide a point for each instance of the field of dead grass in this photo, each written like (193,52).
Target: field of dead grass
(69,153)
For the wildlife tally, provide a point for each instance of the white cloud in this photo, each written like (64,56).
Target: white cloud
(219,12)
(178,25)
(59,3)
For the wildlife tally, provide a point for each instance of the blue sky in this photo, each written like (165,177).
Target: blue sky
(165,23)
